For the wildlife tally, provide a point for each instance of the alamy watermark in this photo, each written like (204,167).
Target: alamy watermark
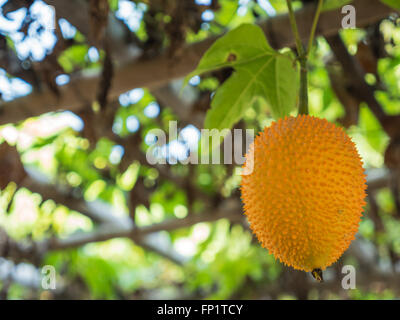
(48,277)
(234,146)
(349,280)
(349,20)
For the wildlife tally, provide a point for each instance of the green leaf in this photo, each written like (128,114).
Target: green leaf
(372,130)
(113,4)
(395,4)
(334,4)
(259,71)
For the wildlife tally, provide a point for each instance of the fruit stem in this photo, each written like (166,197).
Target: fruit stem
(314,26)
(303,103)
(293,23)
(303,53)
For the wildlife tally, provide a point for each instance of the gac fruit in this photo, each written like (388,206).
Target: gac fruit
(304,191)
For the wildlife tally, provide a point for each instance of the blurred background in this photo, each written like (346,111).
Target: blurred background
(83,82)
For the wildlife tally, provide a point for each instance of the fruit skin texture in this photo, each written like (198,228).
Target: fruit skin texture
(305,196)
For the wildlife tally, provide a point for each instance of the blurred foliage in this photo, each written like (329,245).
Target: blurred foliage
(222,258)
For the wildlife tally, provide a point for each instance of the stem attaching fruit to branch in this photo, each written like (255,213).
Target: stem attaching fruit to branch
(303,54)
(314,26)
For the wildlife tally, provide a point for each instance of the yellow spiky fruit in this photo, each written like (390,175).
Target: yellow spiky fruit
(303,190)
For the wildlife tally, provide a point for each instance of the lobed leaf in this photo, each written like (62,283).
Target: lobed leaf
(259,71)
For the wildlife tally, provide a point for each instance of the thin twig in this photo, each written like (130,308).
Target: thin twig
(303,54)
(302,57)
(293,23)
(314,27)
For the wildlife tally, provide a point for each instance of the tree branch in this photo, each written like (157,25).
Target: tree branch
(355,71)
(230,209)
